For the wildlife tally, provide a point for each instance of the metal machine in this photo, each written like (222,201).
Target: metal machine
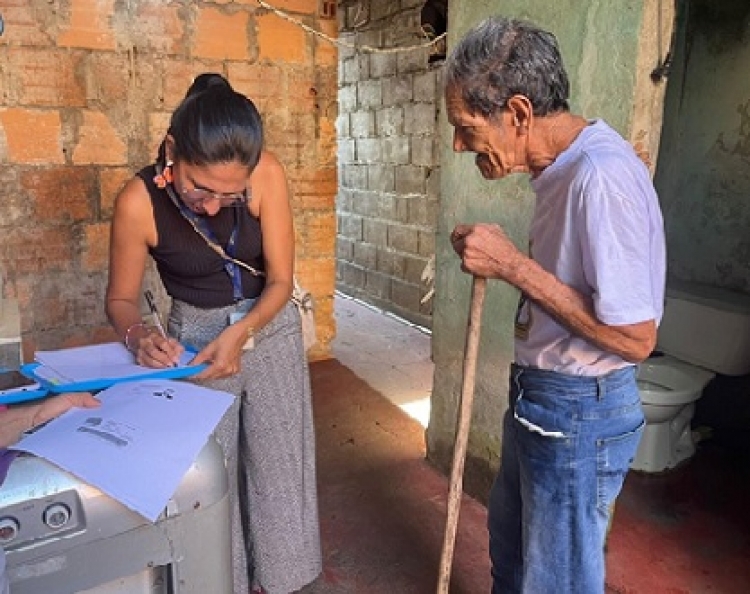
(63,536)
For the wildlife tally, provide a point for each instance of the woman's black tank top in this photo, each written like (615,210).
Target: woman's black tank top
(190,270)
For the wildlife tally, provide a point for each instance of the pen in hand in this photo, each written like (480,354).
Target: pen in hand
(157,318)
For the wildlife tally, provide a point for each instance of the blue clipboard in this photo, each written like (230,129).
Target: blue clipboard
(23,395)
(100,384)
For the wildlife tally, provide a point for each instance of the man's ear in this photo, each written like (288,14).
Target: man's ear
(521,111)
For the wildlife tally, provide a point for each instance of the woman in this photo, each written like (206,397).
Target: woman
(214,214)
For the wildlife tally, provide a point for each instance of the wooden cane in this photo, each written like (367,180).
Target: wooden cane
(478,288)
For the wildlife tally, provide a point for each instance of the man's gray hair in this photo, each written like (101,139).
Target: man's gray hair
(502,57)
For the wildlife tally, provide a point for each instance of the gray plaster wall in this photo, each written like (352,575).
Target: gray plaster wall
(703,172)
(388,165)
(599,41)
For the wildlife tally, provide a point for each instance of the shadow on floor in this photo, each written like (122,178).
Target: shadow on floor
(382,509)
(382,505)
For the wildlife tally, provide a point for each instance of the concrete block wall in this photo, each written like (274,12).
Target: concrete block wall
(389,172)
(86,91)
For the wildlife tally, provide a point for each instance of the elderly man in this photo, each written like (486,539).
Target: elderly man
(591,297)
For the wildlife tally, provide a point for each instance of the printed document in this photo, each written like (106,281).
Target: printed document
(138,444)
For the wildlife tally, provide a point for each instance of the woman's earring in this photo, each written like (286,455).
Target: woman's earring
(168,171)
(165,177)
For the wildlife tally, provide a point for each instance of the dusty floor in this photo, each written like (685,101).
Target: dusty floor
(383,507)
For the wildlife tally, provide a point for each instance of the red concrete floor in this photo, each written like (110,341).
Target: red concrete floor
(382,510)
(686,531)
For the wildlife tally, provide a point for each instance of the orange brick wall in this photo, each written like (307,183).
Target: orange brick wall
(85,97)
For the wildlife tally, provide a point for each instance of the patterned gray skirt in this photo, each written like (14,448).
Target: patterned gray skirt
(268,441)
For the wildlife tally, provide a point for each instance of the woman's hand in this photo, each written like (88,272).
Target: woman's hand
(154,350)
(224,354)
(49,408)
(20,418)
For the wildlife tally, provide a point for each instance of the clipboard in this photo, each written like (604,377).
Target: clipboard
(13,391)
(57,380)
(23,396)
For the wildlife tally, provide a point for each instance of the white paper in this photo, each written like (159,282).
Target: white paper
(110,360)
(139,444)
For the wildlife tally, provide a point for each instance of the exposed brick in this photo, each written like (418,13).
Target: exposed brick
(107,87)
(344,248)
(312,188)
(96,248)
(422,150)
(410,179)
(43,146)
(413,268)
(21,26)
(404,239)
(390,262)
(157,27)
(397,90)
(325,51)
(369,94)
(420,118)
(48,78)
(425,86)
(362,124)
(348,98)
(158,124)
(368,150)
(389,121)
(279,40)
(343,125)
(60,194)
(36,250)
(378,284)
(257,81)
(346,150)
(383,65)
(365,255)
(301,6)
(111,181)
(395,150)
(352,227)
(426,242)
(413,61)
(381,178)
(99,142)
(366,204)
(354,176)
(406,295)
(221,35)
(350,275)
(375,232)
(89,26)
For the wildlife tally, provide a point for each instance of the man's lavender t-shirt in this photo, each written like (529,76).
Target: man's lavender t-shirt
(597,227)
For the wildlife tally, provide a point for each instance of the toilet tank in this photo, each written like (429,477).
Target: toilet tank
(706,326)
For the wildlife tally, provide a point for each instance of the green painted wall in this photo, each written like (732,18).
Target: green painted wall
(599,41)
(703,172)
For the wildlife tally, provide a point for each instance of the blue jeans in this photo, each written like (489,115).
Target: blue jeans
(568,442)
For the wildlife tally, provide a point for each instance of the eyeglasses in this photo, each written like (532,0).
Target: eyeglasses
(199,196)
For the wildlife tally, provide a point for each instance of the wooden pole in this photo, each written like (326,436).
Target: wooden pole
(478,288)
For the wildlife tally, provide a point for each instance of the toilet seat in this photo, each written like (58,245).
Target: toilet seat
(667,381)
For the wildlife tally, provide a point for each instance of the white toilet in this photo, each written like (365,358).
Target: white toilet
(705,330)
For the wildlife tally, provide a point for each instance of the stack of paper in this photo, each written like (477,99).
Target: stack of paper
(138,444)
(98,366)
